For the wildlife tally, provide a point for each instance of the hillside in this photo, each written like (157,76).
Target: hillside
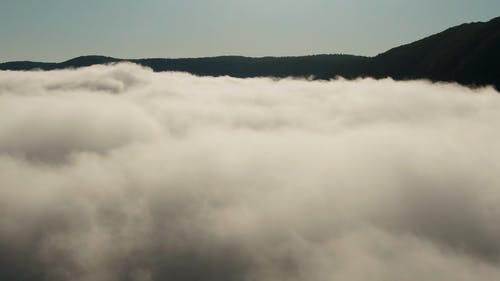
(468,54)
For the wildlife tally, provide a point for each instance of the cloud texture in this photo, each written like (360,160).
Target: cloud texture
(118,173)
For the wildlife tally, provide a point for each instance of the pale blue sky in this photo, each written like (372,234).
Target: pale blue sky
(55,30)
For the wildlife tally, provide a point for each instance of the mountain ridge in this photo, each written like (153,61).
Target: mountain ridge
(468,54)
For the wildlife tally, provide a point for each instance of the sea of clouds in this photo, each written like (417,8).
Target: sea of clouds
(119,173)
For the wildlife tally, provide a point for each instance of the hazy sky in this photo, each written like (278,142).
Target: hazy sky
(55,30)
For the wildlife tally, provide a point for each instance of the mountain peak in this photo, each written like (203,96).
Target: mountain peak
(89,60)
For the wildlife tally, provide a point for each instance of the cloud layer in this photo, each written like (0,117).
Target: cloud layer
(118,173)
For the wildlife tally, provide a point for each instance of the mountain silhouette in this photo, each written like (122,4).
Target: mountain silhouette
(468,54)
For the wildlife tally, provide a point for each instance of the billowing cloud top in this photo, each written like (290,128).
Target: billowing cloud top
(118,173)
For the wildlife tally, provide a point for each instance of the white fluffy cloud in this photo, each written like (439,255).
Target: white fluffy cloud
(118,173)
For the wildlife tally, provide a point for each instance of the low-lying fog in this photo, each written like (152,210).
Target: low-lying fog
(118,173)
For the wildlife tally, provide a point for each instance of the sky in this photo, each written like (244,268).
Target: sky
(56,30)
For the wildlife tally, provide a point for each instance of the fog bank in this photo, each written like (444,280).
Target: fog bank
(118,173)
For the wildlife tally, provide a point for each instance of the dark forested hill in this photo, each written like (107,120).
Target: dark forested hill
(468,54)
(320,66)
